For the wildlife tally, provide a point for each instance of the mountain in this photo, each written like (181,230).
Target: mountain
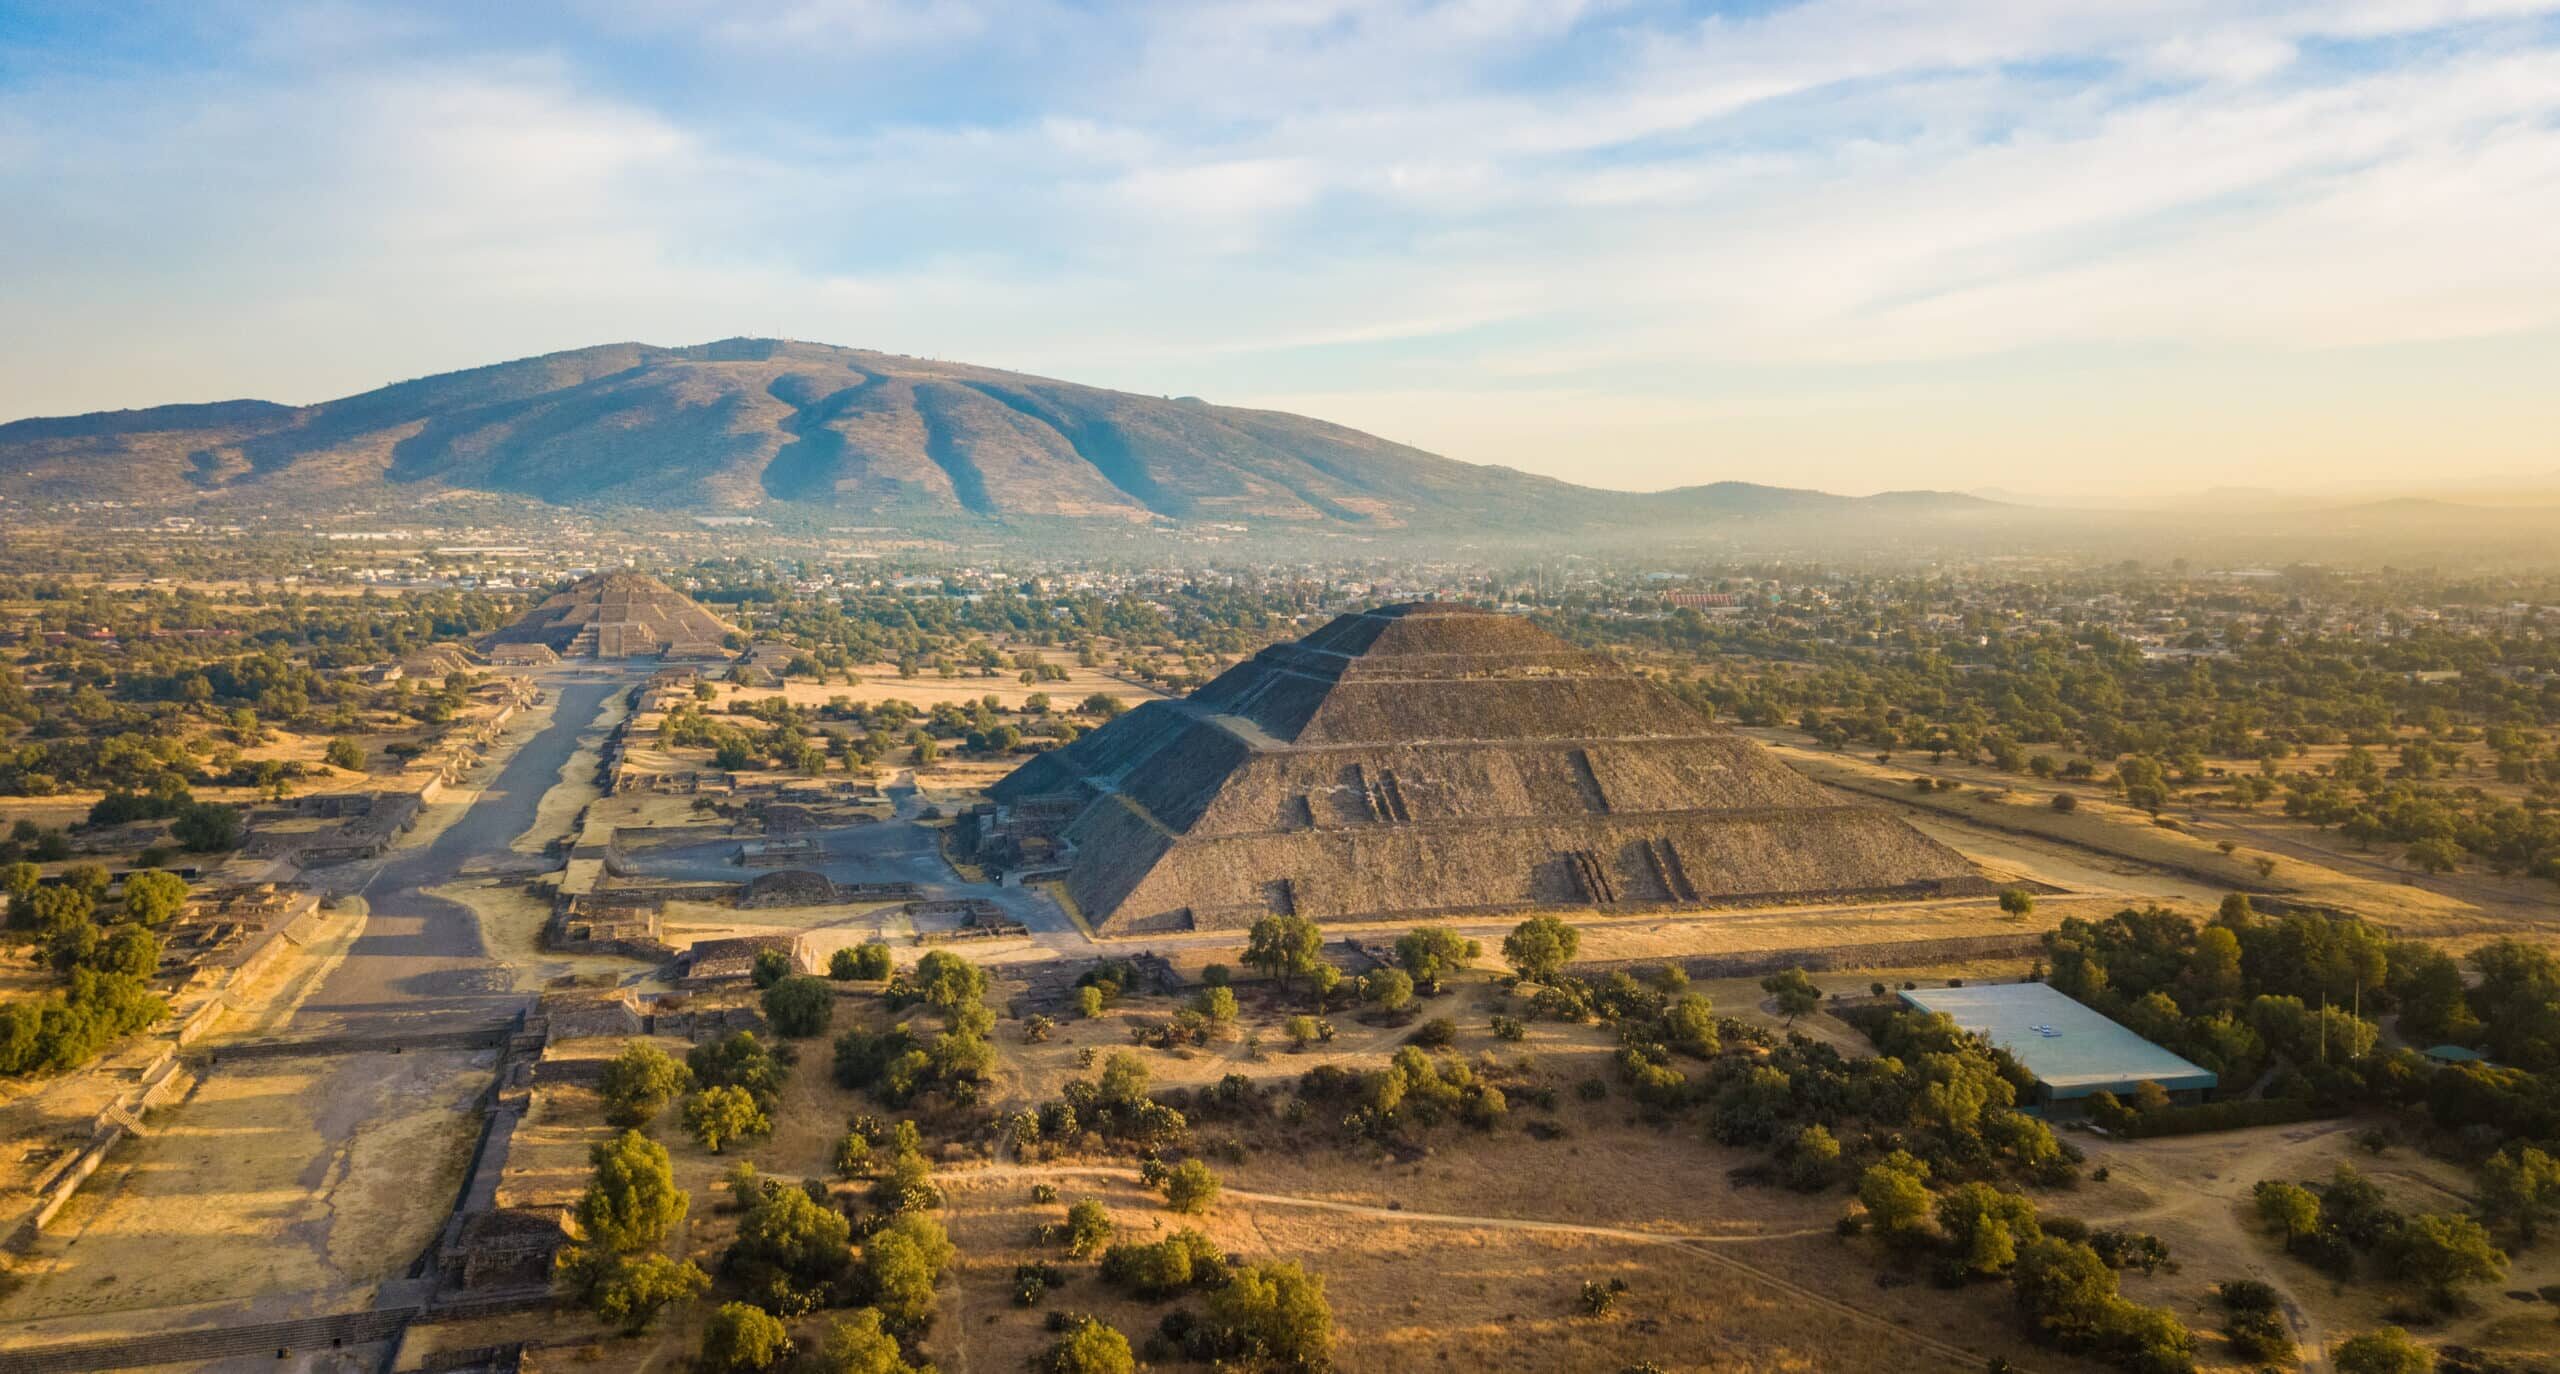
(787,430)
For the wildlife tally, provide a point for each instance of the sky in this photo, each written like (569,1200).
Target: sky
(2081,249)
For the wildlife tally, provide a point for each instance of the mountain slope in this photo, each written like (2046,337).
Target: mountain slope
(763,425)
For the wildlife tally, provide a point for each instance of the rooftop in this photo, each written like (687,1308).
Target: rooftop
(2068,1046)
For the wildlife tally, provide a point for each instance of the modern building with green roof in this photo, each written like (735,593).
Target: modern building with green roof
(2071,1049)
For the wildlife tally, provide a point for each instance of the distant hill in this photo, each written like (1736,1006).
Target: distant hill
(762,426)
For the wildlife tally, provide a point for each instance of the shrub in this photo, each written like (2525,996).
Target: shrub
(2387,1351)
(1190,1187)
(1088,1228)
(1181,1260)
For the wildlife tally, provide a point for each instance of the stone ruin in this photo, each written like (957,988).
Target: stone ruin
(619,615)
(1434,758)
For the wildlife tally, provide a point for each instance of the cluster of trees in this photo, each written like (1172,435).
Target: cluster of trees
(1114,1106)
(1258,1315)
(773,732)
(630,1206)
(2299,994)
(2336,1225)
(2243,992)
(797,1249)
(1890,664)
(735,1080)
(1415,1091)
(106,970)
(2063,1275)
(901,1062)
(159,693)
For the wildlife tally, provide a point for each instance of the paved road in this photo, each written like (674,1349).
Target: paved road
(420,958)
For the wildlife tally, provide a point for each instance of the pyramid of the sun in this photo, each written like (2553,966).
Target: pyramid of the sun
(620,615)
(1431,758)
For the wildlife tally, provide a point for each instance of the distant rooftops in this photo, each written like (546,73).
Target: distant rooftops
(2071,1049)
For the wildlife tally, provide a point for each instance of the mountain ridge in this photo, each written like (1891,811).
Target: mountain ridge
(787,428)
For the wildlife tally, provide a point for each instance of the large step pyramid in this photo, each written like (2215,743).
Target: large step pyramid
(1433,758)
(620,615)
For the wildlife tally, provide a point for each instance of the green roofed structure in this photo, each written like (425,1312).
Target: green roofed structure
(2071,1049)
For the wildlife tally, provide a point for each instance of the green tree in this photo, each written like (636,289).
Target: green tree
(130,950)
(640,1082)
(860,1344)
(2066,1293)
(1088,1228)
(2389,1350)
(1432,953)
(1089,1001)
(949,984)
(2017,901)
(1088,1347)
(2521,1187)
(344,753)
(1985,1225)
(1217,1004)
(1277,1310)
(2288,1207)
(1540,947)
(1283,947)
(720,1116)
(1813,1159)
(632,1201)
(154,898)
(1387,989)
(771,967)
(1190,1188)
(740,1339)
(2442,1254)
(629,1291)
(800,1006)
(791,1251)
(205,827)
(2434,856)
(1689,1026)
(902,1262)
(1793,992)
(1895,1192)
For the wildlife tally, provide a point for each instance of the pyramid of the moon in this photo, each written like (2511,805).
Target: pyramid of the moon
(620,615)
(1435,758)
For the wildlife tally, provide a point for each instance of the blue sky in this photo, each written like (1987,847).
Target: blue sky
(2077,248)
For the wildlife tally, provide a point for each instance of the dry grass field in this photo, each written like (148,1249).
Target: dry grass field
(2109,827)
(240,1181)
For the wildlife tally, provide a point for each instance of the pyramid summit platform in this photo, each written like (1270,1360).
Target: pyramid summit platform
(1435,758)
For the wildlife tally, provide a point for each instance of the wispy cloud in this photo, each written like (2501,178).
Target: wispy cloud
(1820,241)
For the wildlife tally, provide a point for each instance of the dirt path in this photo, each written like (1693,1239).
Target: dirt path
(1707,1247)
(2211,1203)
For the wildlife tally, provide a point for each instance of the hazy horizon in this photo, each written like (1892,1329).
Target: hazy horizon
(2107,254)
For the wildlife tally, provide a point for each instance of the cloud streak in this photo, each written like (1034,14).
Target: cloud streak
(1644,243)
